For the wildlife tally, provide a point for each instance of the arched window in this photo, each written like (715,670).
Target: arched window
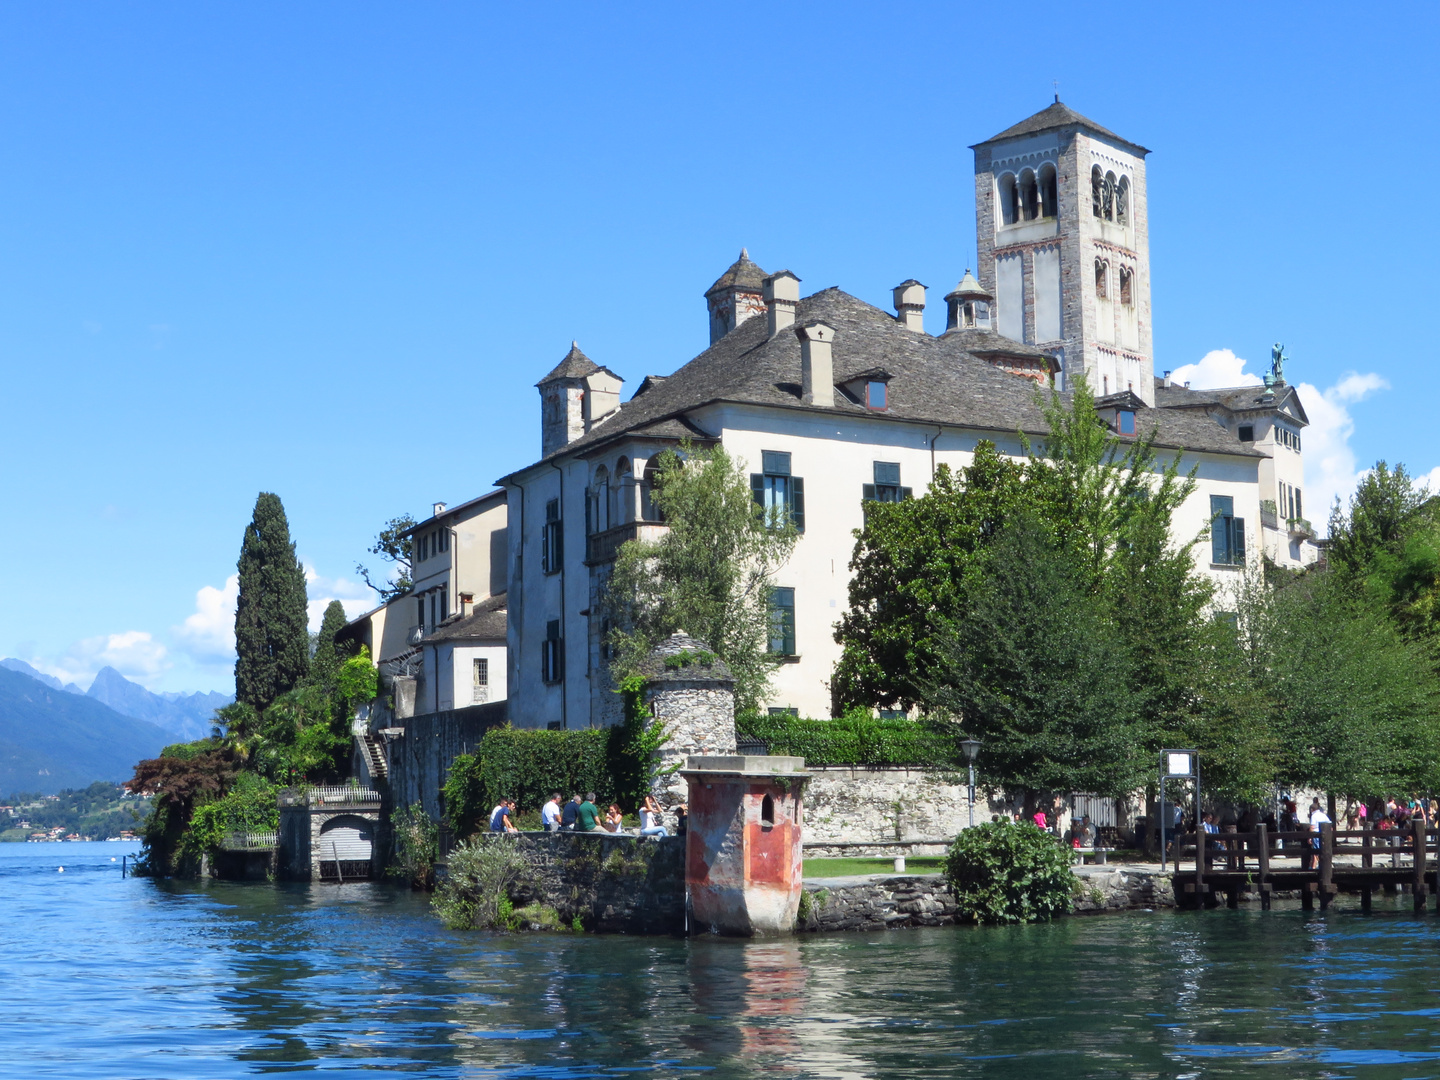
(1029,196)
(1049,192)
(1122,201)
(1102,279)
(1107,197)
(1097,189)
(767,812)
(1127,294)
(624,493)
(648,510)
(599,508)
(1009,193)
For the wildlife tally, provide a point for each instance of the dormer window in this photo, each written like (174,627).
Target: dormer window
(1247,432)
(1125,421)
(877,395)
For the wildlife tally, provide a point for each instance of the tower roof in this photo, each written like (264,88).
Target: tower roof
(576,365)
(1053,118)
(742,273)
(968,287)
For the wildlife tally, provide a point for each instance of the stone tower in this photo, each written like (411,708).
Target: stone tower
(1064,248)
(576,395)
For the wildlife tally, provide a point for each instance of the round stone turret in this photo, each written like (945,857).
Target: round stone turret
(692,693)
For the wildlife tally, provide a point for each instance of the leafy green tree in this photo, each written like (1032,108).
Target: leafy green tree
(272,642)
(1381,511)
(395,545)
(184,777)
(709,574)
(1009,873)
(325,663)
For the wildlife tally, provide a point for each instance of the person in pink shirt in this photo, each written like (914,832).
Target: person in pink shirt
(1039,820)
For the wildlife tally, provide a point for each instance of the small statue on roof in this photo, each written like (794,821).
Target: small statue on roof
(1277,361)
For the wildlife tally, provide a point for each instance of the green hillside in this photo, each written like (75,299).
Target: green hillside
(51,740)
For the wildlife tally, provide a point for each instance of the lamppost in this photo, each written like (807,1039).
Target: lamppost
(971,748)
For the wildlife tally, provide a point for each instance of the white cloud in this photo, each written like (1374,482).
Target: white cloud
(209,634)
(1329,459)
(133,653)
(1217,368)
(355,596)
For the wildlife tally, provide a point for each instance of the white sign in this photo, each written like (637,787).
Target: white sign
(1178,764)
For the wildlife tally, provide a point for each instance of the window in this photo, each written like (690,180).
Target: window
(482,672)
(444,604)
(779,494)
(422,547)
(1122,201)
(892,714)
(1107,197)
(442,539)
(1102,276)
(1009,192)
(1125,421)
(1127,292)
(876,395)
(1029,196)
(782,710)
(767,812)
(420,612)
(1285,437)
(1097,191)
(1247,433)
(597,506)
(552,539)
(552,653)
(480,686)
(1227,532)
(782,622)
(1049,200)
(648,510)
(1290,502)
(886,487)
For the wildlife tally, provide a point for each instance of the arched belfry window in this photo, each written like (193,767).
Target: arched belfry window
(624,493)
(1049,192)
(1107,197)
(1029,195)
(1127,292)
(1122,201)
(1009,193)
(1097,189)
(1102,276)
(767,812)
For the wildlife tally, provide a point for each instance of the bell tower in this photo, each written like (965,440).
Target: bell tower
(1064,247)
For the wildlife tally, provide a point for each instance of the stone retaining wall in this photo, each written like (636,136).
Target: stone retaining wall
(857,802)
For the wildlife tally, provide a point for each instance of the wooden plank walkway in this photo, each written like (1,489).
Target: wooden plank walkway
(1363,861)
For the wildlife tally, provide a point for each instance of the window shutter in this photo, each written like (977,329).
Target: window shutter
(559,543)
(905,493)
(1219,530)
(797,503)
(757,488)
(868,492)
(1238,555)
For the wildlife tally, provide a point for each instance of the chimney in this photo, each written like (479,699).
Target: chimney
(436,509)
(467,603)
(1165,381)
(782,293)
(817,369)
(910,305)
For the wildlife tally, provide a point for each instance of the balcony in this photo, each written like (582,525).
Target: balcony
(414,635)
(1268,517)
(602,547)
(1300,529)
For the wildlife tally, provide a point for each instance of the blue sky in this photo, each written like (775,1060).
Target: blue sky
(326,250)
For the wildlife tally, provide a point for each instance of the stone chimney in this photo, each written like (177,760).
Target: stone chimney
(467,604)
(782,295)
(910,305)
(736,295)
(817,368)
(436,509)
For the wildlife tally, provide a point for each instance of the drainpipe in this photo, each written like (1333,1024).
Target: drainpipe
(938,430)
(512,656)
(564,638)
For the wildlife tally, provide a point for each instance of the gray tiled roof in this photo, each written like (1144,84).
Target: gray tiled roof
(743,273)
(1058,115)
(1234,398)
(575,365)
(486,623)
(935,380)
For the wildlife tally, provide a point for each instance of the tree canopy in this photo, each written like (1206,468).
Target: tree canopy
(395,545)
(272,639)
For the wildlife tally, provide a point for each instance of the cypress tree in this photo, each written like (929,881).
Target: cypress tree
(272,640)
(325,664)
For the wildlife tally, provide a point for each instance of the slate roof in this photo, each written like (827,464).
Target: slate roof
(935,380)
(743,273)
(1234,398)
(1052,118)
(576,365)
(655,668)
(486,623)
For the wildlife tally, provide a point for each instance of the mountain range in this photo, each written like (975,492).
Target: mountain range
(51,739)
(186,716)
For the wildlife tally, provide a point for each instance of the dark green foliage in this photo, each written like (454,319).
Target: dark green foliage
(856,738)
(1009,873)
(249,806)
(480,875)
(183,778)
(272,640)
(526,766)
(325,663)
(417,846)
(393,544)
(1381,513)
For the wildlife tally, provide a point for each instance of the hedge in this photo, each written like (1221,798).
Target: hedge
(853,739)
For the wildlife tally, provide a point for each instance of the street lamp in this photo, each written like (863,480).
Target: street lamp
(971,748)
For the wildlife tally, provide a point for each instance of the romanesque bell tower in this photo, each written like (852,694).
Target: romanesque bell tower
(1060,216)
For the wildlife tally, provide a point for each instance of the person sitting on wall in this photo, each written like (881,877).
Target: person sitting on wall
(682,819)
(650,820)
(500,817)
(550,813)
(614,819)
(569,813)
(1085,832)
(587,817)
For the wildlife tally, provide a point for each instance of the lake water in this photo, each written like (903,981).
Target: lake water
(119,978)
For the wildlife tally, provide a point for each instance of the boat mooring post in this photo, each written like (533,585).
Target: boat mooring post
(1327,864)
(1418,831)
(1262,865)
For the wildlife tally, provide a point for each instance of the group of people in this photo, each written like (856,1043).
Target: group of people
(581,814)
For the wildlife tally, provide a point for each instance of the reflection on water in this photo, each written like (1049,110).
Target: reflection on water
(112,977)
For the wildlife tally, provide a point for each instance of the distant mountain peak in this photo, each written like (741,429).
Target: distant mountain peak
(49,680)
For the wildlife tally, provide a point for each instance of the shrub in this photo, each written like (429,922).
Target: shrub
(249,806)
(475,894)
(857,738)
(417,846)
(1009,873)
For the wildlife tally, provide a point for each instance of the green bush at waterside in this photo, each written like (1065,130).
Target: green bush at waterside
(857,738)
(248,807)
(1009,873)
(525,766)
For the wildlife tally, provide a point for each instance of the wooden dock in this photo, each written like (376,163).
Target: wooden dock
(1363,861)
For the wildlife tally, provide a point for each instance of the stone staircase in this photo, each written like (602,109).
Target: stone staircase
(374,756)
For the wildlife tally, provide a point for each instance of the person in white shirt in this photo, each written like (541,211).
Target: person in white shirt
(550,813)
(650,818)
(1318,817)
